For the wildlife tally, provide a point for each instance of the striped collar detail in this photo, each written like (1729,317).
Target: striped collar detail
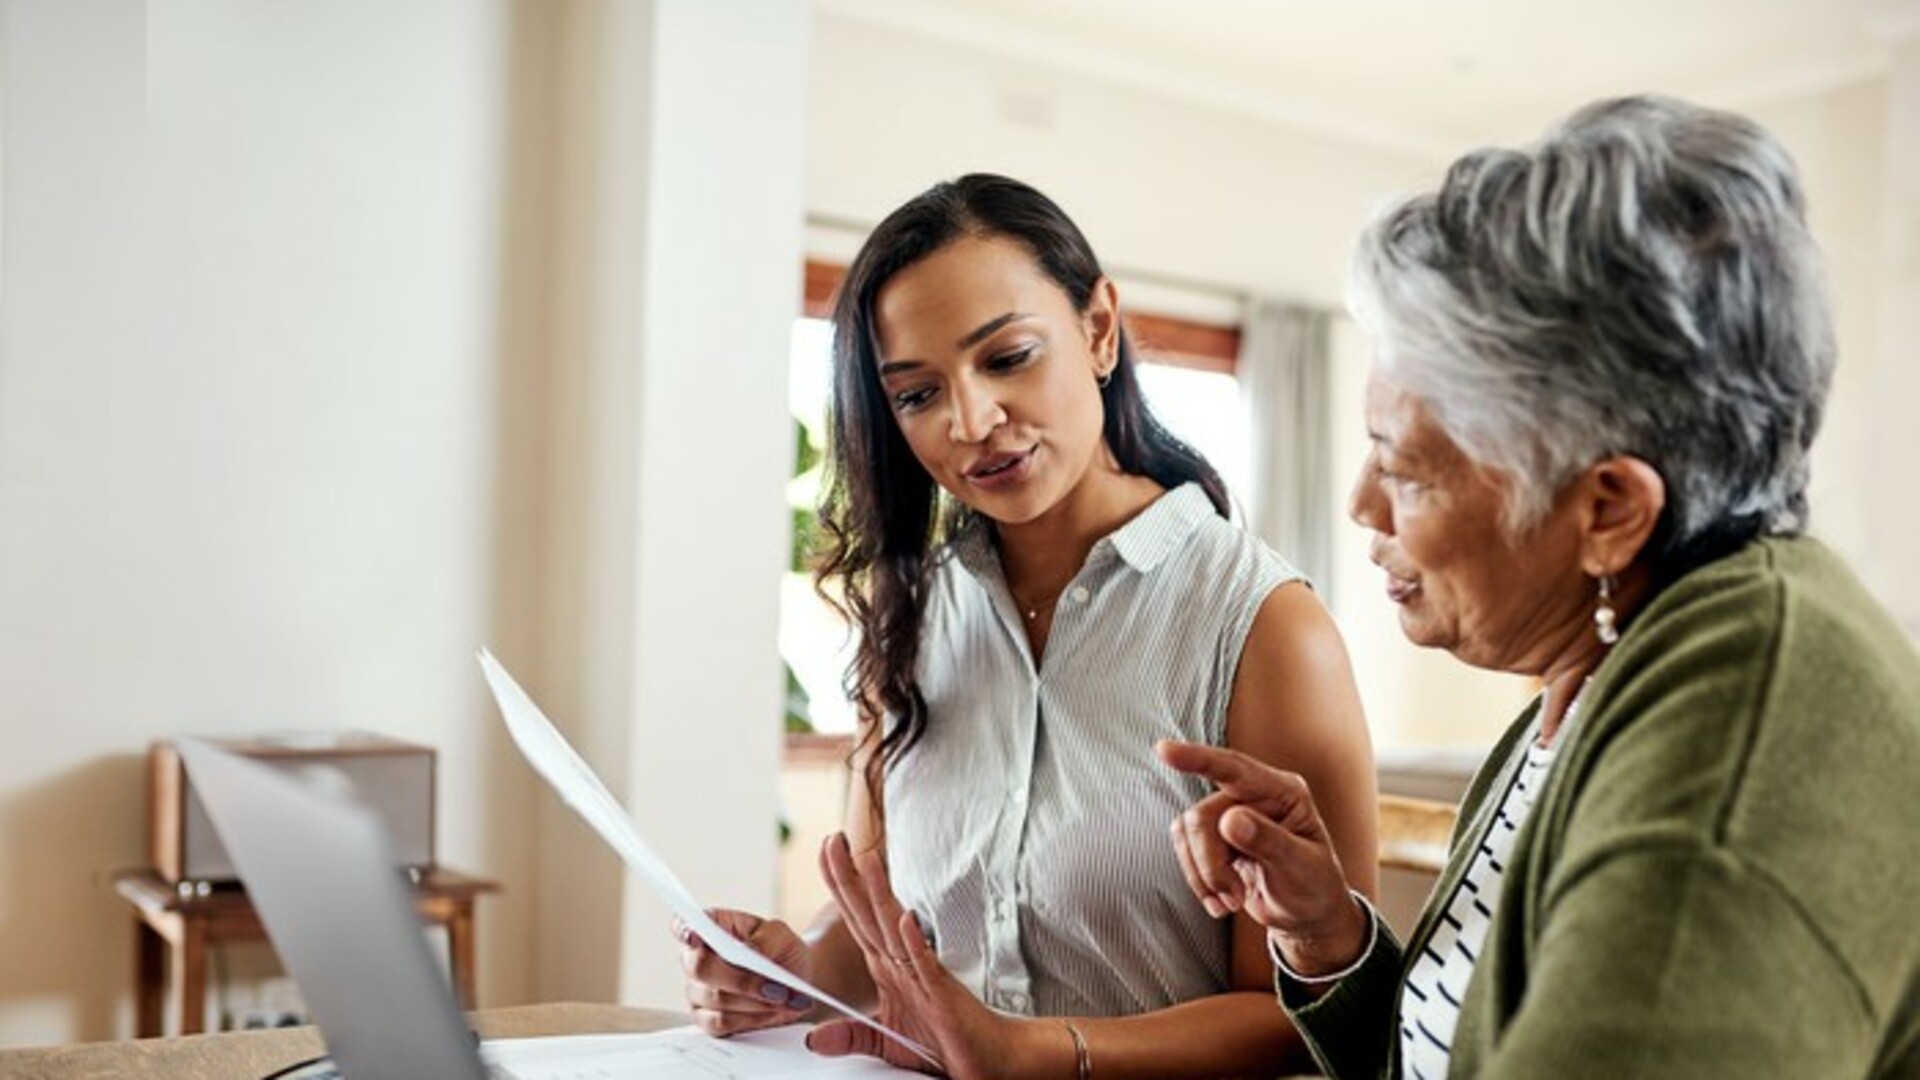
(1143,543)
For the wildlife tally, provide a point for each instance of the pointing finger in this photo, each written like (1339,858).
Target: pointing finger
(1233,772)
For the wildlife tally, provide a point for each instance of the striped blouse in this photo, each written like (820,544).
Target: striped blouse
(1028,828)
(1437,980)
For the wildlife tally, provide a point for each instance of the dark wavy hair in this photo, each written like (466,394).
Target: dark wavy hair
(883,518)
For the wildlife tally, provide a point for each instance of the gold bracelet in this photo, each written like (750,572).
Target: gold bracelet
(1082,1060)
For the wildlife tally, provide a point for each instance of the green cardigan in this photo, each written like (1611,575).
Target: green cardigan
(1721,877)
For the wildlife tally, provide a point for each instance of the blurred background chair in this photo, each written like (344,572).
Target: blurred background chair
(1413,849)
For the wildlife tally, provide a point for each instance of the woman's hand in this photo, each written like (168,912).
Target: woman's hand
(918,997)
(727,1000)
(1258,845)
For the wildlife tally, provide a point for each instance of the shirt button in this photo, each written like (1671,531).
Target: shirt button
(1081,595)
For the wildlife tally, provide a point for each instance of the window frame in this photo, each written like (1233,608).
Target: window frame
(1160,339)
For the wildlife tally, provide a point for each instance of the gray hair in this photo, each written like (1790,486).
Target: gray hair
(1640,281)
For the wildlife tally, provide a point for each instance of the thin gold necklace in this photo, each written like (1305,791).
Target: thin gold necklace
(1032,611)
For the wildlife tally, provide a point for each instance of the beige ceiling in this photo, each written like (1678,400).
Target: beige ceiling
(1425,74)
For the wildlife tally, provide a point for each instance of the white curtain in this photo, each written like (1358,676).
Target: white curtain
(1283,375)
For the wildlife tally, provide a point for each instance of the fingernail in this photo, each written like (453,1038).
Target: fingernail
(1240,829)
(1213,906)
(774,992)
(800,1001)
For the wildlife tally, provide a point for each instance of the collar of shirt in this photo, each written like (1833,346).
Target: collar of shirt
(1142,543)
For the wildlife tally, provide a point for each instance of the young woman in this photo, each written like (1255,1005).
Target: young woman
(1044,582)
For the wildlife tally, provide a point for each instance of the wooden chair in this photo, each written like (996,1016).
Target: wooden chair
(1413,850)
(1414,833)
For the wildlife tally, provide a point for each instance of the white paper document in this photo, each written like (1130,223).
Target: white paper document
(679,1054)
(579,788)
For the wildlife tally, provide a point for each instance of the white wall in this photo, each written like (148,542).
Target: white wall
(1858,149)
(253,331)
(342,338)
(1155,183)
(68,781)
(1896,386)
(1838,140)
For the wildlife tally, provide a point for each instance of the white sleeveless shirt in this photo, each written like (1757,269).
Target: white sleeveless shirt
(1028,828)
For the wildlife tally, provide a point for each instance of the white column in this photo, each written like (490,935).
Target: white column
(722,288)
(678,253)
(1895,516)
(582,670)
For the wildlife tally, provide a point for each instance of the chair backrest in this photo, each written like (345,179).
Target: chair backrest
(1414,833)
(320,870)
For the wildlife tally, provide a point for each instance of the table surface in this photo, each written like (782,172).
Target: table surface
(239,1055)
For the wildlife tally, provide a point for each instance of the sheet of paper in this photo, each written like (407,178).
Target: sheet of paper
(579,788)
(679,1054)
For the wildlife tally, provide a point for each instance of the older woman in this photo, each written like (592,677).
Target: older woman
(1600,364)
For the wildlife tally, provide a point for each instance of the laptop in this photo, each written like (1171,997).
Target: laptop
(322,876)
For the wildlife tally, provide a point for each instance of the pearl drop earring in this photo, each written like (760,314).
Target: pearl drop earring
(1603,613)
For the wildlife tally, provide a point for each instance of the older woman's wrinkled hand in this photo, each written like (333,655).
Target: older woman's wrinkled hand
(1258,845)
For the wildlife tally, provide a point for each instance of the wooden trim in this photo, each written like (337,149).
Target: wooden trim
(1160,339)
(822,282)
(1415,833)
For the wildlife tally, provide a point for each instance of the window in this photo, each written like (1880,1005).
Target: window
(1203,408)
(814,639)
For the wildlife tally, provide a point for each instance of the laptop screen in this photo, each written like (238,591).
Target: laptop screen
(322,876)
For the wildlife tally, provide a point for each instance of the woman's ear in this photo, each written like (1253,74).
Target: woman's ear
(1624,497)
(1102,324)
